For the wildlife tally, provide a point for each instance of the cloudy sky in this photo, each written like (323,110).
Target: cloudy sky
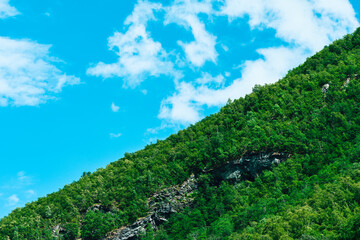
(83,82)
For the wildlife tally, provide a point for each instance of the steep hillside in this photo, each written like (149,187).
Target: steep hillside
(312,115)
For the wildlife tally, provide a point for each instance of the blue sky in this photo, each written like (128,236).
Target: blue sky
(83,82)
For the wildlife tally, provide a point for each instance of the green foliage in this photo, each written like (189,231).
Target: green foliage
(72,230)
(313,195)
(96,224)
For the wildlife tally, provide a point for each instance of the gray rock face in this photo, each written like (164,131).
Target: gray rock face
(133,231)
(58,231)
(175,199)
(346,83)
(325,88)
(162,205)
(99,207)
(248,167)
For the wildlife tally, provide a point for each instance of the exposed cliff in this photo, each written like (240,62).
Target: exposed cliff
(162,204)
(174,199)
(248,167)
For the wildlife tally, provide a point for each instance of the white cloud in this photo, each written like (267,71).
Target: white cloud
(308,23)
(207,79)
(184,13)
(139,55)
(27,74)
(30,193)
(13,200)
(158,129)
(179,107)
(225,48)
(185,105)
(142,13)
(115,135)
(6,10)
(203,48)
(23,178)
(114,108)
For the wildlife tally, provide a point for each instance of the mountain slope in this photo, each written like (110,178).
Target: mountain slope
(313,114)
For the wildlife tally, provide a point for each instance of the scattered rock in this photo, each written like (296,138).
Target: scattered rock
(58,231)
(99,207)
(162,204)
(133,231)
(325,88)
(346,83)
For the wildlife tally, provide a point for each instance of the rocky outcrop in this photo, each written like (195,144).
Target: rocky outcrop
(58,231)
(347,81)
(174,199)
(162,204)
(325,88)
(133,231)
(99,207)
(248,167)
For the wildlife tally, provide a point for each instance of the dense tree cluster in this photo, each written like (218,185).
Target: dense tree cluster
(313,195)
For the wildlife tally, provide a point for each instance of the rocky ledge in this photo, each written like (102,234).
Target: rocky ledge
(174,199)
(248,167)
(162,204)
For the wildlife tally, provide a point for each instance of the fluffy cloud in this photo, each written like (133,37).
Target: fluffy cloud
(28,75)
(30,193)
(22,176)
(186,104)
(114,108)
(23,179)
(179,107)
(208,79)
(309,23)
(184,13)
(158,129)
(139,55)
(6,10)
(13,200)
(115,135)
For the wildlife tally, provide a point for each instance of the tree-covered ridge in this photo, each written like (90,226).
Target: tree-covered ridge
(313,195)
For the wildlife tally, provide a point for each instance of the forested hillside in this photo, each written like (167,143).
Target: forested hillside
(313,114)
